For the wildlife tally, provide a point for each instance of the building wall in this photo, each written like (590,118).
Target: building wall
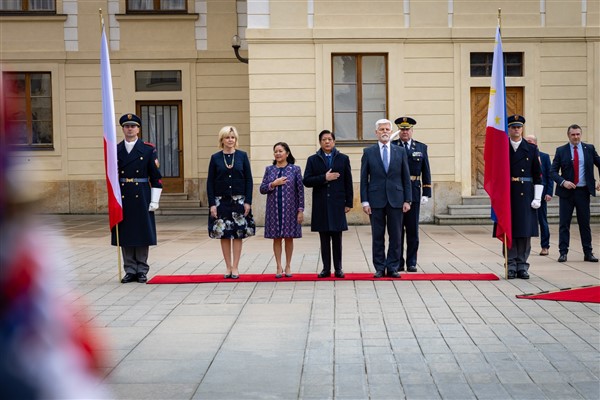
(284,93)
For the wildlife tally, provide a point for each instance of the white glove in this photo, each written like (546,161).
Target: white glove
(154,198)
(537,197)
(424,200)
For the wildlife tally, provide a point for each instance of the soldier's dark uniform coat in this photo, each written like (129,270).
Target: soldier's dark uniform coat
(524,163)
(138,227)
(418,164)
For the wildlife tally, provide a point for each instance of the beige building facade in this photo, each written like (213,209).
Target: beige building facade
(313,65)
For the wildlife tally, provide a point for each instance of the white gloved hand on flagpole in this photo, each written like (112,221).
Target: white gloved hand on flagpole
(154,198)
(424,200)
(537,198)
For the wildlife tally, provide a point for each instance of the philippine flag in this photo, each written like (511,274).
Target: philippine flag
(496,157)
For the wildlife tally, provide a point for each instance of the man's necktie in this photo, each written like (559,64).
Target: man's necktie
(405,145)
(386,160)
(576,165)
(328,156)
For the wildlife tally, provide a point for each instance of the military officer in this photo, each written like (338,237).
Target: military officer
(141,186)
(420,176)
(525,197)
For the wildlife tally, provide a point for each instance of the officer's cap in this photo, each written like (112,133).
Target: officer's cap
(516,120)
(130,119)
(405,122)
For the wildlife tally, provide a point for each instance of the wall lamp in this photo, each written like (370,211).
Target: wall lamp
(236,43)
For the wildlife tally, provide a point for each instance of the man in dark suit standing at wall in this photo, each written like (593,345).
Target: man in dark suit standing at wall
(420,179)
(573,172)
(385,194)
(546,197)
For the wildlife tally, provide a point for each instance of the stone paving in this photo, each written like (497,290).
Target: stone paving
(334,340)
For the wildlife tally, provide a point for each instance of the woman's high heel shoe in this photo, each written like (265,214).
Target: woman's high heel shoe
(233,276)
(227,276)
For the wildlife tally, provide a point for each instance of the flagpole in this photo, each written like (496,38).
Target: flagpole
(505,246)
(505,258)
(119,269)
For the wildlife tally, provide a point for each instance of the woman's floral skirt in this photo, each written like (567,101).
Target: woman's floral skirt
(230,222)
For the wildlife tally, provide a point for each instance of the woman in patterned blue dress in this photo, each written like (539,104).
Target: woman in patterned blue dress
(282,183)
(229,189)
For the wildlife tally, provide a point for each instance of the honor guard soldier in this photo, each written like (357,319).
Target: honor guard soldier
(141,186)
(420,177)
(525,197)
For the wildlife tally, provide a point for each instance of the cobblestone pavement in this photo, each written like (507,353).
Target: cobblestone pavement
(334,340)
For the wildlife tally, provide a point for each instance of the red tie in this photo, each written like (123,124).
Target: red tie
(576,164)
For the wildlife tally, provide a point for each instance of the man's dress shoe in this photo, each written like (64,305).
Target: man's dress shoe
(393,275)
(411,268)
(590,257)
(378,275)
(142,278)
(562,258)
(129,277)
(340,274)
(523,275)
(324,274)
(512,274)
(544,252)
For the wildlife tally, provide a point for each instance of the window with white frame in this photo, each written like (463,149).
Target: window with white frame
(27,6)
(28,109)
(156,6)
(359,94)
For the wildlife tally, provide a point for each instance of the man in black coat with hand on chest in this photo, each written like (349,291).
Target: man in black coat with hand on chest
(329,174)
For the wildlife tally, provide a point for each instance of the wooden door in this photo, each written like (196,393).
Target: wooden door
(162,126)
(480,97)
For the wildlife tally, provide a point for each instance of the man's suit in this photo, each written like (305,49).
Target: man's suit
(420,176)
(543,210)
(386,193)
(562,170)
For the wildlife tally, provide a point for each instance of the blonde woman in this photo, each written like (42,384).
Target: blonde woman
(229,189)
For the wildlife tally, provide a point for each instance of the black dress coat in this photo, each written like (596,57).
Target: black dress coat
(138,227)
(329,198)
(524,163)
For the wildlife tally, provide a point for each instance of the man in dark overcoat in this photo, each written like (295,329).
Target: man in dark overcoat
(546,197)
(420,181)
(329,174)
(525,197)
(141,186)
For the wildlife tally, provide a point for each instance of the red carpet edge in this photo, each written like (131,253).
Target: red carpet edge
(584,294)
(214,278)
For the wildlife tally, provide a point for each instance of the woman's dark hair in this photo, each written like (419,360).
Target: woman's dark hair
(326,132)
(290,158)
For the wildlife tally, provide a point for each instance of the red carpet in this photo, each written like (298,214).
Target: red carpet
(214,278)
(585,294)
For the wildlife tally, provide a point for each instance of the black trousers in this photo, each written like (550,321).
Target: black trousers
(390,218)
(580,201)
(135,259)
(542,213)
(331,240)
(410,231)
(518,254)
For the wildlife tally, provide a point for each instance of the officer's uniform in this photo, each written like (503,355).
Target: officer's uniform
(525,173)
(138,173)
(420,177)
